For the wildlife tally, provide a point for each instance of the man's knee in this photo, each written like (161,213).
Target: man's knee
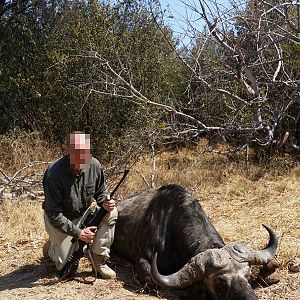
(111,217)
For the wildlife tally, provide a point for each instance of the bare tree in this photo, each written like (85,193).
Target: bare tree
(251,41)
(240,80)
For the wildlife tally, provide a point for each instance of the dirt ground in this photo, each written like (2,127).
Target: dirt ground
(29,276)
(35,278)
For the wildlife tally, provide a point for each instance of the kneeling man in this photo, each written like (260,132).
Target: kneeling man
(71,184)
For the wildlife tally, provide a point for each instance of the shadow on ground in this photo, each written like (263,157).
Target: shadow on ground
(44,274)
(29,276)
(125,274)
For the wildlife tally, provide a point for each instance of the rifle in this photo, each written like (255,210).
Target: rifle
(92,217)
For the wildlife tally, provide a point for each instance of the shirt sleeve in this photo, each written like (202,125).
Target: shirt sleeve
(53,208)
(100,189)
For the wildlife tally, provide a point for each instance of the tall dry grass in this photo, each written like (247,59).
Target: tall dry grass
(238,197)
(19,148)
(21,218)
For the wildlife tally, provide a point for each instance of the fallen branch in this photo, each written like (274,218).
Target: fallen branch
(17,182)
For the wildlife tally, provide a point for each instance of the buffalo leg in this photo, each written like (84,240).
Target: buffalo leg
(143,270)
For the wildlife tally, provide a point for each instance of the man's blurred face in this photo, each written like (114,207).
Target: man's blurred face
(79,150)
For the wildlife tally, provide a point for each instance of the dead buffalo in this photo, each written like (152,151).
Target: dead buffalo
(168,237)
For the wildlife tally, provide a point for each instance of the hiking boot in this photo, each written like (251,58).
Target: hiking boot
(103,270)
(46,249)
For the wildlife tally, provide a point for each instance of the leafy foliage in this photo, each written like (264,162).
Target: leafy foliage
(50,74)
(114,68)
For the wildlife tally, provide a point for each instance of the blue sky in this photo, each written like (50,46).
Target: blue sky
(176,17)
(177,13)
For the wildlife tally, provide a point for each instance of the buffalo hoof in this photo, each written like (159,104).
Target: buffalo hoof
(269,275)
(272,278)
(268,278)
(272,265)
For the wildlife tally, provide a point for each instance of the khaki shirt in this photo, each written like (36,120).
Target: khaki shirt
(68,195)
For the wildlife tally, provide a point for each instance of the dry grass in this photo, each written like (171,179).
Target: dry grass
(238,199)
(237,203)
(19,148)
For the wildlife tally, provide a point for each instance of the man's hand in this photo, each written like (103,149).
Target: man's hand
(109,204)
(87,234)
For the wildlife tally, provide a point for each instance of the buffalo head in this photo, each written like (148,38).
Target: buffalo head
(225,271)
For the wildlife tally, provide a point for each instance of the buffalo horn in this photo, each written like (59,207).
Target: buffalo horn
(262,257)
(194,270)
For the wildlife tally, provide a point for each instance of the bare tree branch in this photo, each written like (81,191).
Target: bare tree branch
(14,180)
